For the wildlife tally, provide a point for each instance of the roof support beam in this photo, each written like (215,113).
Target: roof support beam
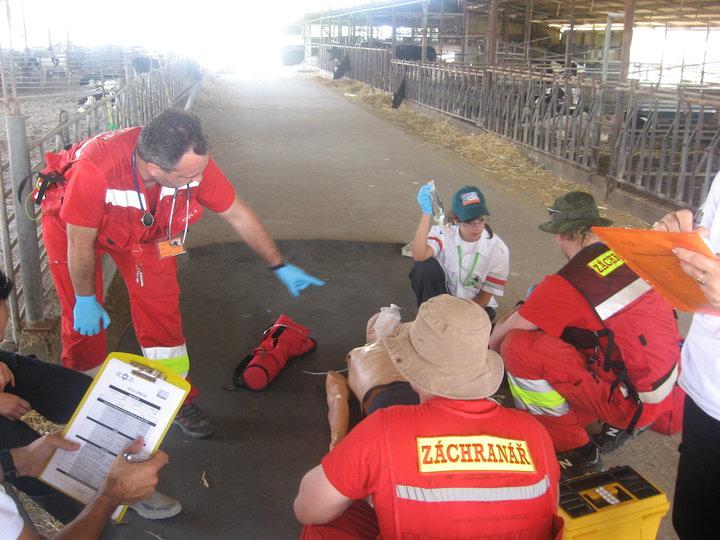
(627,39)
(423,54)
(569,38)
(528,27)
(492,38)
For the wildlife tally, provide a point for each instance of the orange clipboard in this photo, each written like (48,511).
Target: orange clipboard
(649,254)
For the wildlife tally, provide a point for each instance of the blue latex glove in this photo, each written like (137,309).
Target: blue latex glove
(423,199)
(295,279)
(87,315)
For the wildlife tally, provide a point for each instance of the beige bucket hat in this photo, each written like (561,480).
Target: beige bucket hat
(445,350)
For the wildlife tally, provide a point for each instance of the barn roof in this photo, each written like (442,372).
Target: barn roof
(688,13)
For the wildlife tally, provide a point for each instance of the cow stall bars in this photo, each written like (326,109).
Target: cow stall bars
(661,142)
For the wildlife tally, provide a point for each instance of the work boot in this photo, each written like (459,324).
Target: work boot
(579,461)
(158,506)
(193,421)
(611,438)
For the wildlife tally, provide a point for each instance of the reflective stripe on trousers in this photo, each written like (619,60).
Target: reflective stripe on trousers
(173,358)
(537,397)
(473,494)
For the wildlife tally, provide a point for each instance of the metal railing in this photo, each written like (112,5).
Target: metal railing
(135,103)
(665,143)
(62,66)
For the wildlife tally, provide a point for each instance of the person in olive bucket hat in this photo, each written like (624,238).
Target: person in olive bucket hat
(591,342)
(464,258)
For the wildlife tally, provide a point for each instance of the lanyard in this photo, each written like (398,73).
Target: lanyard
(467,282)
(147,219)
(187,214)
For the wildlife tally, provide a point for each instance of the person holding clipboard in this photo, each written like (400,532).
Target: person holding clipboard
(128,482)
(698,479)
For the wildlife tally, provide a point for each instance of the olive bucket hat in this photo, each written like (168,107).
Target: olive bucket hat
(572,210)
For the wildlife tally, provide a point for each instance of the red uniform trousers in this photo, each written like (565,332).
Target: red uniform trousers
(155,306)
(538,358)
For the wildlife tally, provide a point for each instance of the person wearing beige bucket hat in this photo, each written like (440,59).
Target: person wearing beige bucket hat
(458,465)
(591,342)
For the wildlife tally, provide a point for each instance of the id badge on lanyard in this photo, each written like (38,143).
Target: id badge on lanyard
(470,280)
(174,246)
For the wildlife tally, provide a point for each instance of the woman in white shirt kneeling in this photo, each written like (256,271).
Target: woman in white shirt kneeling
(465,259)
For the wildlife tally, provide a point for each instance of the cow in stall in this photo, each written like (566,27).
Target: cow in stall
(106,90)
(143,64)
(409,51)
(403,51)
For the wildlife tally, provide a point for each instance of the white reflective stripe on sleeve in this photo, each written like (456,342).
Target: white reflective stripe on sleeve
(493,289)
(473,494)
(622,298)
(169,191)
(661,392)
(124,198)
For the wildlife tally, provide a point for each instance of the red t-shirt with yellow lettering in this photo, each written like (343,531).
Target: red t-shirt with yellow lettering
(450,468)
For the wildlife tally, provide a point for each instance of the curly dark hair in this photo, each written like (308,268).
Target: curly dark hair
(581,232)
(6,286)
(168,136)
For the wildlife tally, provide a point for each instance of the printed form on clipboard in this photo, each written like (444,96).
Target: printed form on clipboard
(130,396)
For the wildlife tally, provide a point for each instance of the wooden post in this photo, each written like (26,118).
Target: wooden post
(466,39)
(505,30)
(627,39)
(423,55)
(394,34)
(528,25)
(442,29)
(569,38)
(492,34)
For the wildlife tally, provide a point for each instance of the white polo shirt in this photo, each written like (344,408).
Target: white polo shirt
(700,365)
(471,267)
(11,524)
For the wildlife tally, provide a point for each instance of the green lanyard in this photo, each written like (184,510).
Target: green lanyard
(467,282)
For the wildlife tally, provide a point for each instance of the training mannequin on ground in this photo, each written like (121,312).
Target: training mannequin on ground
(372,377)
(592,341)
(456,466)
(465,259)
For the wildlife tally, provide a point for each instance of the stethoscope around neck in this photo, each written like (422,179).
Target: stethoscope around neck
(148,219)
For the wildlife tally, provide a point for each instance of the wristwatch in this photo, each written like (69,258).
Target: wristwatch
(278,266)
(7,465)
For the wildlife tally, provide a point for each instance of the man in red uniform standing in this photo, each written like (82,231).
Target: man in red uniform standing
(591,342)
(133,193)
(456,466)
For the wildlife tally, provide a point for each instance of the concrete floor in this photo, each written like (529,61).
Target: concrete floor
(315,166)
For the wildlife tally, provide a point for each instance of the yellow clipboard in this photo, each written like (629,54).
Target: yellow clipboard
(145,370)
